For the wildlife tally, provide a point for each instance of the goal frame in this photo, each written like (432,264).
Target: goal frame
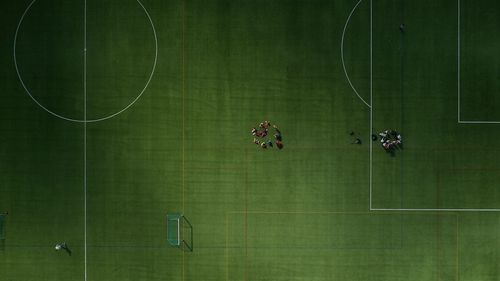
(179,232)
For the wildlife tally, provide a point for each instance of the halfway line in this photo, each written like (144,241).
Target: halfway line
(85,134)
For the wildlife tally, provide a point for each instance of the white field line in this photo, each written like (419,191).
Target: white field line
(85,133)
(342,53)
(153,69)
(458,60)
(478,122)
(371,100)
(435,210)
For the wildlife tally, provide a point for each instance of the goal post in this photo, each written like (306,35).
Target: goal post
(179,232)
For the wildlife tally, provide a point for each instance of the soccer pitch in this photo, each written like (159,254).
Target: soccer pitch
(117,113)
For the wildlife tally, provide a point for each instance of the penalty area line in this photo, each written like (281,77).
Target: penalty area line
(478,122)
(459,121)
(433,210)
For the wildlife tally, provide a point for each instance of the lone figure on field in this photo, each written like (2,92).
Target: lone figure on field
(63,246)
(402,28)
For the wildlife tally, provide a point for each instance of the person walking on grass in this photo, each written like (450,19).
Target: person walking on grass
(63,246)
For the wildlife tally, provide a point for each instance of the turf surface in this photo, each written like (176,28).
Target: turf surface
(302,213)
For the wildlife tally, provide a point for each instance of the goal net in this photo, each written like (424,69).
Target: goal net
(179,232)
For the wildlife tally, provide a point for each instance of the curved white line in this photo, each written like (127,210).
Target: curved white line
(150,76)
(342,53)
(87,120)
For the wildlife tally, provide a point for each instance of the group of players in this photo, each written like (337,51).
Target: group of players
(390,140)
(263,131)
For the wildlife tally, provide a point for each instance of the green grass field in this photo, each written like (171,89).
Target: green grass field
(117,113)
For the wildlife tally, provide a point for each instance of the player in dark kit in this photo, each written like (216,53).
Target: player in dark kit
(279,144)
